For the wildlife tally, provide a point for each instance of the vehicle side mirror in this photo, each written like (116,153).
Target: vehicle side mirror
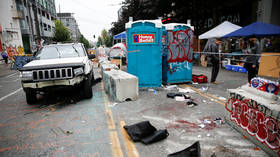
(91,56)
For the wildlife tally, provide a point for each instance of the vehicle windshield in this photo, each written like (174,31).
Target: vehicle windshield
(60,51)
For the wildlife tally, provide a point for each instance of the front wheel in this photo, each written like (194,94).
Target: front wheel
(87,88)
(30,96)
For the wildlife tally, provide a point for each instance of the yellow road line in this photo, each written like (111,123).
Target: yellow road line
(207,95)
(116,146)
(129,145)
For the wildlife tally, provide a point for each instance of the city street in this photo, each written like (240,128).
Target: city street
(62,124)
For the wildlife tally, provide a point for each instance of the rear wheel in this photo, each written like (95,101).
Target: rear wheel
(30,96)
(87,87)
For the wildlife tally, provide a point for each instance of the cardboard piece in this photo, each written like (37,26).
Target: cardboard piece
(270,65)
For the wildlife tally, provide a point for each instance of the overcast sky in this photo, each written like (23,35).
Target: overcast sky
(92,16)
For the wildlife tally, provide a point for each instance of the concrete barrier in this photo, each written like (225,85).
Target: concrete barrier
(120,85)
(107,67)
(256,114)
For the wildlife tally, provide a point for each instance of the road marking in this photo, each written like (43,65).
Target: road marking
(116,146)
(10,75)
(207,95)
(129,145)
(14,92)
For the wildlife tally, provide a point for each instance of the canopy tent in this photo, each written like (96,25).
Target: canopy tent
(118,50)
(120,35)
(257,29)
(220,30)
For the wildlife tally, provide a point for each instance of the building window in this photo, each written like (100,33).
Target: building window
(53,29)
(43,13)
(49,28)
(67,20)
(48,16)
(45,27)
(67,24)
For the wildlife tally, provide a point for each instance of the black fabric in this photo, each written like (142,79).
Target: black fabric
(145,132)
(192,151)
(215,70)
(156,136)
(140,130)
(173,95)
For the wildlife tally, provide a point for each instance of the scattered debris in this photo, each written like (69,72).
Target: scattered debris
(171,87)
(204,89)
(222,98)
(204,101)
(194,83)
(201,126)
(219,121)
(179,98)
(256,148)
(186,90)
(206,121)
(173,95)
(152,90)
(192,151)
(145,132)
(113,105)
(199,136)
(69,132)
(190,103)
(208,135)
(83,121)
(245,137)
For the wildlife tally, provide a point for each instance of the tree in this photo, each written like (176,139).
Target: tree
(61,33)
(85,42)
(99,41)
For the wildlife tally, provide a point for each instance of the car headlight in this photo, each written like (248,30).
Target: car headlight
(78,71)
(26,75)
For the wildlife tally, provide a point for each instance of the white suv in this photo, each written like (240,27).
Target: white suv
(58,66)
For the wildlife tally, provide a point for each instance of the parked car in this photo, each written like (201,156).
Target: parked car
(58,66)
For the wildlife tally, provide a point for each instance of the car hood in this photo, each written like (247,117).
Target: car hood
(55,63)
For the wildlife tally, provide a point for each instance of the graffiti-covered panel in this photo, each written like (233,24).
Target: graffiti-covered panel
(177,54)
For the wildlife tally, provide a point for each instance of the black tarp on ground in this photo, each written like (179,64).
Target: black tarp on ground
(192,151)
(145,132)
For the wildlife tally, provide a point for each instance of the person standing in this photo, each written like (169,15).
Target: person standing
(252,59)
(215,58)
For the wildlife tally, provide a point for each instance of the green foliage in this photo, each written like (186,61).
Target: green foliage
(99,42)
(105,39)
(85,42)
(61,33)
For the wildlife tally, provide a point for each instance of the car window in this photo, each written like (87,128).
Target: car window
(60,51)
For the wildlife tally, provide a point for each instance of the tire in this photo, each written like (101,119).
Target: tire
(87,87)
(30,96)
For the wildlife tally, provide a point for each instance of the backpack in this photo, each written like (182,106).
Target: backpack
(199,78)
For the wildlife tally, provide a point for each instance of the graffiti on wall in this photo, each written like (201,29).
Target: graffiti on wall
(256,119)
(180,46)
(178,66)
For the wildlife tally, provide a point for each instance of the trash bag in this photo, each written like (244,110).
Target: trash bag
(156,136)
(192,151)
(145,132)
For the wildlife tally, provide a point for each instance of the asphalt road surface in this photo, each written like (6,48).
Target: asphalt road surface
(62,124)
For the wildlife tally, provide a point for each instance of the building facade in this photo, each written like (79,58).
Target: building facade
(36,22)
(70,22)
(10,33)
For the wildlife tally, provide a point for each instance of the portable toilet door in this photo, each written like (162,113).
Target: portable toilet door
(144,55)
(177,53)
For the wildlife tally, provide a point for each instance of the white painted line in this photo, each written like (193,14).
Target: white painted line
(10,75)
(14,92)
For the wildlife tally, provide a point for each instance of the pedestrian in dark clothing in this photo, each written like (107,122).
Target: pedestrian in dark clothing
(5,56)
(252,59)
(213,46)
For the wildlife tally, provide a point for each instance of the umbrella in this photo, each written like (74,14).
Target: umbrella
(257,29)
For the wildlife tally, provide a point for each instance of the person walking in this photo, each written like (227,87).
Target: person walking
(252,59)
(4,56)
(213,48)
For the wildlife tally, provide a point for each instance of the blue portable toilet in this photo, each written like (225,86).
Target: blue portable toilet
(177,53)
(144,55)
